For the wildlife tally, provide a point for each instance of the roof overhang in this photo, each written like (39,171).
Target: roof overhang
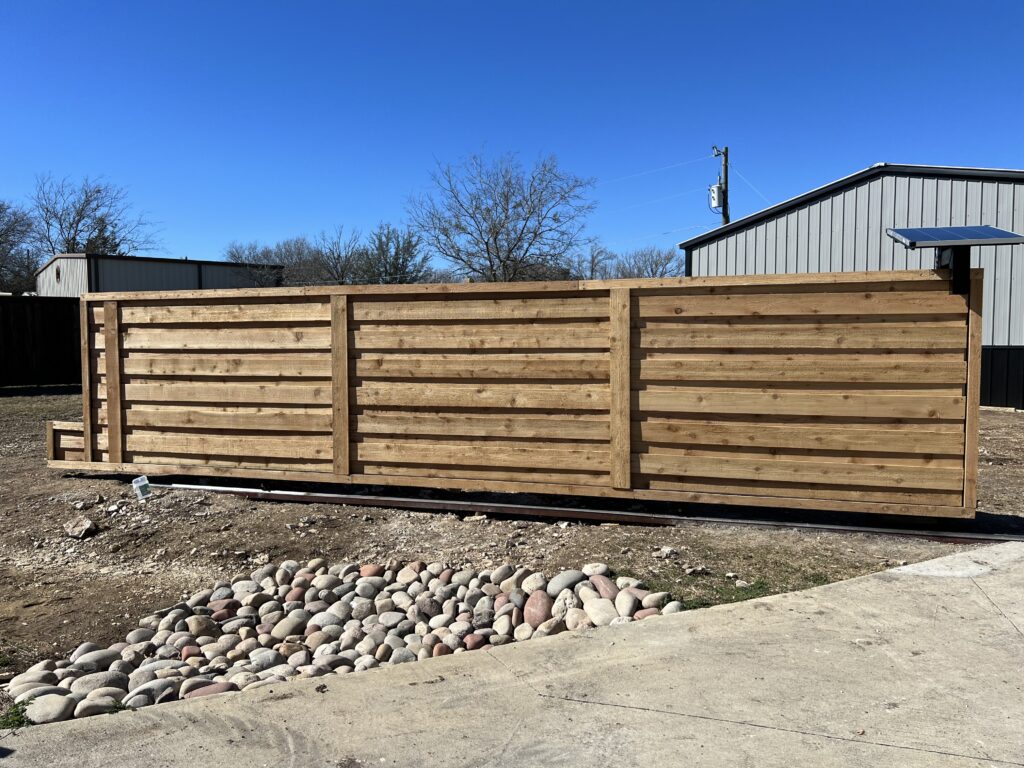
(878,169)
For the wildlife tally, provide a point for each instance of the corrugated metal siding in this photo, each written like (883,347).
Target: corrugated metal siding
(72,283)
(225,276)
(143,275)
(845,232)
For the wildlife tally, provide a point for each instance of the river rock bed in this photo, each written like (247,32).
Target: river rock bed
(289,621)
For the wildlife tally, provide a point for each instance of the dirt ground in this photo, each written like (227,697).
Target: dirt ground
(56,592)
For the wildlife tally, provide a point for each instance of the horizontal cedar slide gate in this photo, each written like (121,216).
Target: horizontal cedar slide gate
(850,391)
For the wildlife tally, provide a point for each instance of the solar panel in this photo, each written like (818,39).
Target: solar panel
(945,237)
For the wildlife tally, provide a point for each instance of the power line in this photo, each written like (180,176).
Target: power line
(657,200)
(658,234)
(655,170)
(745,179)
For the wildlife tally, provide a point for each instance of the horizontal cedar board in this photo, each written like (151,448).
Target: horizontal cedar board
(824,368)
(281,446)
(271,419)
(568,396)
(214,392)
(219,364)
(773,303)
(555,424)
(870,336)
(817,456)
(820,473)
(225,337)
(807,491)
(562,365)
(240,462)
(315,473)
(823,281)
(307,311)
(480,309)
(878,439)
(503,475)
(481,456)
(898,404)
(483,336)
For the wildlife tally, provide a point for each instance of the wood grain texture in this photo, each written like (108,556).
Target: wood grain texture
(87,393)
(112,348)
(833,392)
(974,328)
(619,354)
(339,384)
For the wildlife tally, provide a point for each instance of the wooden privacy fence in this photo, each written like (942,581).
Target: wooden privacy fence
(837,391)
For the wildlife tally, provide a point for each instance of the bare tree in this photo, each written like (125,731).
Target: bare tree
(493,221)
(17,262)
(259,262)
(337,257)
(596,263)
(651,262)
(93,216)
(392,256)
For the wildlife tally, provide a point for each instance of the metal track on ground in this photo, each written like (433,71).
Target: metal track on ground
(575,513)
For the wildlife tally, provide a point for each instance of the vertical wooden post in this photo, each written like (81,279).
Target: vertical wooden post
(112,351)
(973,393)
(619,376)
(339,384)
(85,313)
(51,442)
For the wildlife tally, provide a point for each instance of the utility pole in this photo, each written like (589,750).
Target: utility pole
(723,180)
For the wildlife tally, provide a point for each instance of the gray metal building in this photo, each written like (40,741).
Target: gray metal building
(72,274)
(840,227)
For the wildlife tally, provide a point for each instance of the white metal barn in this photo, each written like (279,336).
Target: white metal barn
(841,227)
(72,274)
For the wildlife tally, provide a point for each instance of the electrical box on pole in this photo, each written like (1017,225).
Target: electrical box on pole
(719,193)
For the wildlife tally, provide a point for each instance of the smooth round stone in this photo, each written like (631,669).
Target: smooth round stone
(605,587)
(93,661)
(40,689)
(503,625)
(50,708)
(566,599)
(264,658)
(565,580)
(113,693)
(674,607)
(534,582)
(288,626)
(441,650)
(538,608)
(523,632)
(139,635)
(474,641)
(626,603)
(244,587)
(644,613)
(210,690)
(202,626)
(402,655)
(550,627)
(596,569)
(655,600)
(138,701)
(42,677)
(98,706)
(501,573)
(370,570)
(499,639)
(87,683)
(83,649)
(600,611)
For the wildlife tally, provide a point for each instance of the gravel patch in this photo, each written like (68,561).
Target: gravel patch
(289,621)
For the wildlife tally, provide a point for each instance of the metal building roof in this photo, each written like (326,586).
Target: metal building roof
(878,169)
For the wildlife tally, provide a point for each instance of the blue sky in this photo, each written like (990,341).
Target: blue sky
(263,120)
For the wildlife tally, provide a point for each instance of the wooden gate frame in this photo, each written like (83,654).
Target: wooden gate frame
(67,447)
